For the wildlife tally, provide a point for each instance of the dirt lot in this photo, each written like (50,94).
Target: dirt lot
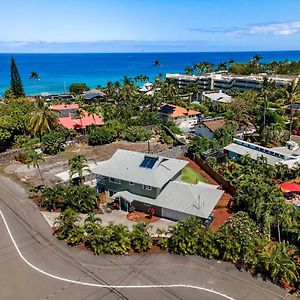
(58,163)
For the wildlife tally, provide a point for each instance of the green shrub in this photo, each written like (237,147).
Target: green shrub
(81,198)
(100,136)
(78,87)
(140,237)
(166,138)
(136,133)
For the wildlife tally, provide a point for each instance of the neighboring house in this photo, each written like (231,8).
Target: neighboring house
(52,97)
(216,97)
(274,156)
(142,180)
(293,108)
(94,95)
(72,117)
(207,127)
(184,118)
(148,89)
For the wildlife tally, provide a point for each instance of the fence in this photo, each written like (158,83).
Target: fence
(10,155)
(214,175)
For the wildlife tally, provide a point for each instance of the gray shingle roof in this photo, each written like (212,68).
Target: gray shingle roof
(241,150)
(192,199)
(125,165)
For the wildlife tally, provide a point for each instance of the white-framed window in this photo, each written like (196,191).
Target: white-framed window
(131,183)
(147,187)
(114,180)
(111,193)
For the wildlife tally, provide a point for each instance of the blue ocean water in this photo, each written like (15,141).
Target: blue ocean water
(58,71)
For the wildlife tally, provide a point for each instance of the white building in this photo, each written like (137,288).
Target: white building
(208,127)
(184,118)
(225,81)
(216,97)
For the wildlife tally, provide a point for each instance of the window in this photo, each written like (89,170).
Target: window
(131,183)
(147,187)
(114,180)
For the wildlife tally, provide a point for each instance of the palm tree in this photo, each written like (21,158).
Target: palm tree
(51,196)
(157,63)
(188,70)
(77,165)
(140,237)
(34,75)
(41,120)
(92,110)
(34,159)
(255,61)
(292,94)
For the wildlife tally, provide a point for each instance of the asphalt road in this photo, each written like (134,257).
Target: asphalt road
(18,280)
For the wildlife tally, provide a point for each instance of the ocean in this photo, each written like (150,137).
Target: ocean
(58,71)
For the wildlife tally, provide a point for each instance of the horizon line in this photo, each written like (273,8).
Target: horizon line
(151,52)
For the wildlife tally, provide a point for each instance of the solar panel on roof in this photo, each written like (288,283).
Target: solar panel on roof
(148,162)
(144,163)
(151,163)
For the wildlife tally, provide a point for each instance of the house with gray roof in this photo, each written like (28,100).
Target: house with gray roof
(273,156)
(143,180)
(216,97)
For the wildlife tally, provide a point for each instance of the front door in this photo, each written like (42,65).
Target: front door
(124,204)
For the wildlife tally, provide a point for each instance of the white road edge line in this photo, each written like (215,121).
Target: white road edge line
(106,285)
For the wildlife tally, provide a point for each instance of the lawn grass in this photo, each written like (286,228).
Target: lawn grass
(189,175)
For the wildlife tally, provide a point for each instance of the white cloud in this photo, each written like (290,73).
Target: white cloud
(271,28)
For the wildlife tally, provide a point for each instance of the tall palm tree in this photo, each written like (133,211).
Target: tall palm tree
(292,95)
(34,75)
(34,159)
(157,63)
(41,120)
(78,165)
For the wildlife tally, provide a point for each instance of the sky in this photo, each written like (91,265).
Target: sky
(148,25)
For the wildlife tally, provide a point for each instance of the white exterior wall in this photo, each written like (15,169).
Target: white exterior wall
(186,123)
(202,130)
(174,215)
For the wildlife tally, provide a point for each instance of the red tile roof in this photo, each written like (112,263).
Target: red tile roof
(74,123)
(213,125)
(177,111)
(64,106)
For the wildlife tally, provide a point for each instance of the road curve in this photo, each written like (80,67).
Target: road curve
(185,277)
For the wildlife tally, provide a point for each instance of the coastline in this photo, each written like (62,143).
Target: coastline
(59,70)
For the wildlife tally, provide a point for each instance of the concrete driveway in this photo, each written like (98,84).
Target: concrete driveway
(116,216)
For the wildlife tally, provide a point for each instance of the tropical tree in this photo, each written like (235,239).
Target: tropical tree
(78,88)
(78,166)
(34,75)
(34,159)
(277,263)
(66,224)
(157,63)
(15,80)
(81,198)
(41,120)
(184,236)
(140,237)
(52,196)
